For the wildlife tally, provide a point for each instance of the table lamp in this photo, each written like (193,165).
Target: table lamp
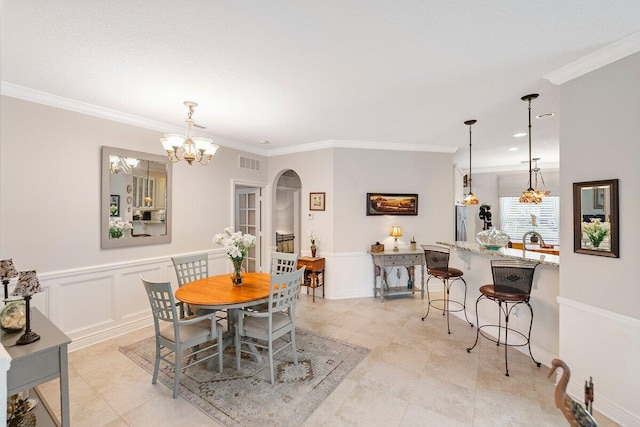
(7,272)
(395,232)
(28,285)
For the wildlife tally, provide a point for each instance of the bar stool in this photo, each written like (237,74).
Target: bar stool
(512,282)
(437,258)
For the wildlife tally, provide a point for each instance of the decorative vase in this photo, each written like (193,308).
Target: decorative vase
(493,239)
(238,271)
(313,252)
(14,315)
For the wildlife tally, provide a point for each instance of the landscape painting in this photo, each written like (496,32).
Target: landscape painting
(392,204)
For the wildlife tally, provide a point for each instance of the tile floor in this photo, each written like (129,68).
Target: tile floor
(415,375)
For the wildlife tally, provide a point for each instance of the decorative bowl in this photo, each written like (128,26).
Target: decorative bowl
(493,239)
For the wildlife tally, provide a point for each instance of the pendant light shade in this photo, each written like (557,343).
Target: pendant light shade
(471,199)
(529,195)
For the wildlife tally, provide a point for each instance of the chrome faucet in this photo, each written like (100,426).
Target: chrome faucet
(524,240)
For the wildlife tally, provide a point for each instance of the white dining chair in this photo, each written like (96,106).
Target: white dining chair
(178,335)
(261,329)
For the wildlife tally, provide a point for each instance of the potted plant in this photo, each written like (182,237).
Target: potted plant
(313,246)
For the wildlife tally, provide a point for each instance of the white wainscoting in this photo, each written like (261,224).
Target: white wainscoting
(93,304)
(604,345)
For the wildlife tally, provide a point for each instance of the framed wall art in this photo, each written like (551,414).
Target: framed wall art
(317,201)
(392,204)
(595,218)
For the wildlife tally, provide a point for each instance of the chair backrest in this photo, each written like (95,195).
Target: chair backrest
(283,262)
(162,303)
(191,267)
(437,257)
(284,291)
(513,276)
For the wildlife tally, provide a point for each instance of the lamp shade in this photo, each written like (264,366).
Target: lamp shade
(7,269)
(396,231)
(28,284)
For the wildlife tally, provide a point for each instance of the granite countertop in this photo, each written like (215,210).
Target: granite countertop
(546,259)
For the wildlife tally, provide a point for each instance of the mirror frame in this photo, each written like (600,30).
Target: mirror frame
(613,215)
(105,241)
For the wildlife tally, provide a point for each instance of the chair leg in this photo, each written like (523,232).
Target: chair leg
(428,299)
(477,327)
(273,380)
(529,337)
(446,285)
(156,365)
(220,346)
(506,337)
(294,350)
(176,375)
(464,301)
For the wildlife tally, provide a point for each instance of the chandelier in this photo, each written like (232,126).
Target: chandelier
(529,195)
(125,164)
(188,147)
(471,199)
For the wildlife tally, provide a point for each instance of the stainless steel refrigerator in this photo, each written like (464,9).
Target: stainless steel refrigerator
(461,223)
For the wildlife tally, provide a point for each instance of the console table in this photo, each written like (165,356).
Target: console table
(41,361)
(403,258)
(314,271)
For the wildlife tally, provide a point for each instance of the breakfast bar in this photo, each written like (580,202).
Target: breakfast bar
(474,260)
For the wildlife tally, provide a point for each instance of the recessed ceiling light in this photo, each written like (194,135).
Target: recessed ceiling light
(545,115)
(519,134)
(513,148)
(265,142)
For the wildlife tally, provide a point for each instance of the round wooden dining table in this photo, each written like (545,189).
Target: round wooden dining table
(218,293)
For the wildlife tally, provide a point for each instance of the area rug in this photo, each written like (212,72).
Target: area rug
(247,397)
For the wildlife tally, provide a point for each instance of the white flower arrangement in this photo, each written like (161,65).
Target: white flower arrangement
(312,238)
(235,244)
(118,227)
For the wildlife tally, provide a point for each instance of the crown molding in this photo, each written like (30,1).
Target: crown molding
(32,95)
(44,98)
(362,145)
(605,56)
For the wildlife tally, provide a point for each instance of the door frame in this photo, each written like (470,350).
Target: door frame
(265,217)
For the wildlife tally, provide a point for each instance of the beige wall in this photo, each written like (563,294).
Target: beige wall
(50,182)
(600,296)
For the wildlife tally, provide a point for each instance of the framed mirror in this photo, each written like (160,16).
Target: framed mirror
(136,198)
(595,218)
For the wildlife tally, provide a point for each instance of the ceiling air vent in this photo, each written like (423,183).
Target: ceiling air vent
(249,163)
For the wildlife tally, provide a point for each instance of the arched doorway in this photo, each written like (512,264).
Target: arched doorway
(286,212)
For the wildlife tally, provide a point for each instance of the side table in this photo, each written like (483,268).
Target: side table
(314,274)
(41,361)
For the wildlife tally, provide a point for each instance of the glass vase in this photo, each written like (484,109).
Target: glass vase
(13,316)
(493,239)
(238,271)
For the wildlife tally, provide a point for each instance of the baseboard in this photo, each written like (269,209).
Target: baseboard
(78,343)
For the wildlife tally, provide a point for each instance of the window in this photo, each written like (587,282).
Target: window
(515,218)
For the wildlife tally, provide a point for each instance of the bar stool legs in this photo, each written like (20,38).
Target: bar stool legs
(446,309)
(511,288)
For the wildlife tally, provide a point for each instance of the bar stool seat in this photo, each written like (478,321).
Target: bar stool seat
(512,283)
(437,260)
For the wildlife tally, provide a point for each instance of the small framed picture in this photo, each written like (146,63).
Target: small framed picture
(316,201)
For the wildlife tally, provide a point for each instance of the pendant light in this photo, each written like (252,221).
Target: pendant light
(536,172)
(147,199)
(530,195)
(471,199)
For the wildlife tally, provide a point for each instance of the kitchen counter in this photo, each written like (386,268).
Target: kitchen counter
(546,259)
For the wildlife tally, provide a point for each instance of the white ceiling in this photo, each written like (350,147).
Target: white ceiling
(368,72)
